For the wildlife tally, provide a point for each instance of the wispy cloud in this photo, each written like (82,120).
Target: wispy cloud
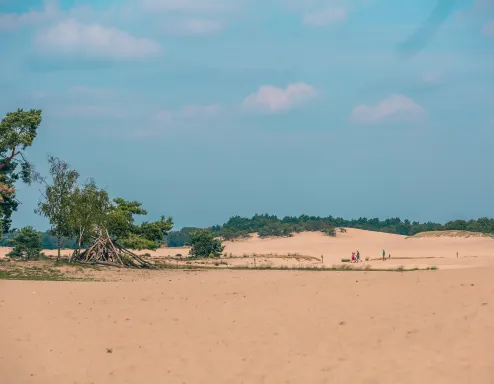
(70,37)
(272,99)
(199,110)
(395,107)
(488,29)
(18,20)
(89,110)
(191,111)
(325,17)
(195,27)
(187,5)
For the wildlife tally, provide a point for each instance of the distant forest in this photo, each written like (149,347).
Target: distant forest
(270,226)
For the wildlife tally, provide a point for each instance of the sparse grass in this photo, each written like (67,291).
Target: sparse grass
(43,273)
(334,268)
(345,260)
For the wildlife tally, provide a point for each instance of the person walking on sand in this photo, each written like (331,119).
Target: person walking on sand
(358,257)
(384,255)
(353,257)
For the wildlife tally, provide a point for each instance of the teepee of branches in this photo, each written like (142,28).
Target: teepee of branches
(106,251)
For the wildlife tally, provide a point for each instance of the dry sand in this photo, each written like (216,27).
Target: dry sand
(238,326)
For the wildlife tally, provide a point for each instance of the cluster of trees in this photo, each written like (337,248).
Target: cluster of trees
(180,238)
(76,212)
(270,225)
(83,212)
(48,241)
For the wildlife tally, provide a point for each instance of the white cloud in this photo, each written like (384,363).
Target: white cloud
(488,28)
(273,99)
(325,17)
(432,78)
(81,90)
(187,5)
(18,20)
(164,115)
(397,107)
(82,110)
(200,110)
(72,37)
(191,111)
(196,27)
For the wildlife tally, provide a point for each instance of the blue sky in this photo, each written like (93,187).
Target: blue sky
(204,109)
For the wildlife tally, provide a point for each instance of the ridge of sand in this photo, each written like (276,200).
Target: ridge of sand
(450,233)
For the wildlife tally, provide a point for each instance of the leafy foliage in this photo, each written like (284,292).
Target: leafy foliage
(120,223)
(17,132)
(134,241)
(269,225)
(26,243)
(88,211)
(58,203)
(204,244)
(180,238)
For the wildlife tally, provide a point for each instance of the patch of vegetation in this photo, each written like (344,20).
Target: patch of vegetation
(44,273)
(27,244)
(270,225)
(203,244)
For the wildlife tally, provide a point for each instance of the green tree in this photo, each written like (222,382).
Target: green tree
(26,243)
(89,208)
(120,219)
(58,202)
(134,241)
(120,223)
(205,244)
(17,132)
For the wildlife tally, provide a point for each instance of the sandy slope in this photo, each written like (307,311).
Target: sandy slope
(409,252)
(263,326)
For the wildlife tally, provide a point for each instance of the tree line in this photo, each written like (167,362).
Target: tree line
(271,226)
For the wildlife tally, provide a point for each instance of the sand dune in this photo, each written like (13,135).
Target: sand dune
(408,251)
(240,326)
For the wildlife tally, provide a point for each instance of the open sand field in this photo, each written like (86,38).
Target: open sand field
(263,326)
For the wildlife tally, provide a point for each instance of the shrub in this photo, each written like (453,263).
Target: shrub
(138,243)
(27,244)
(345,260)
(203,244)
(329,231)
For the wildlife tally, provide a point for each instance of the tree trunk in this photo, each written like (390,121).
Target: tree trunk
(59,246)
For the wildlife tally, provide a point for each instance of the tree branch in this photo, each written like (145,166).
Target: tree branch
(9,159)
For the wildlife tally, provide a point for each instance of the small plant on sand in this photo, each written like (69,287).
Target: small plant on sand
(330,231)
(27,244)
(345,260)
(204,244)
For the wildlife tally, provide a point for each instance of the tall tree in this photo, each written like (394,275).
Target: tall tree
(59,199)
(120,224)
(89,209)
(17,132)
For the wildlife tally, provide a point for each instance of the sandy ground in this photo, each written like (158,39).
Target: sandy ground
(240,326)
